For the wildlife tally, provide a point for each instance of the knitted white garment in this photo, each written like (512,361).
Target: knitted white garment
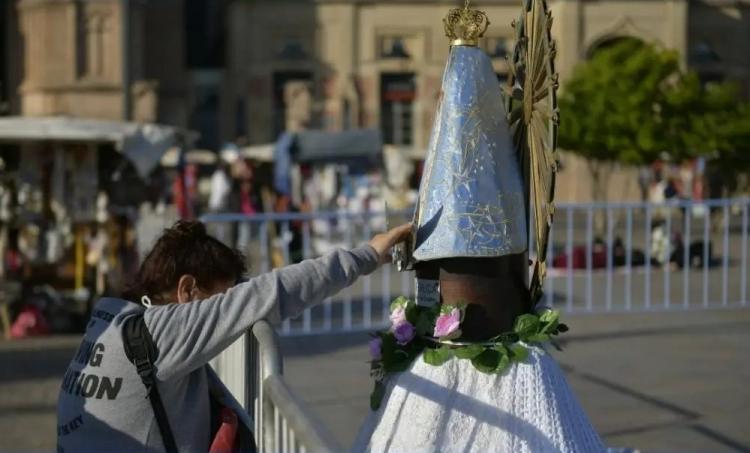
(455,408)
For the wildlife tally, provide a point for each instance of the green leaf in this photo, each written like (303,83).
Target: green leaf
(538,338)
(519,352)
(394,356)
(503,364)
(389,342)
(376,397)
(549,316)
(487,361)
(549,328)
(412,313)
(462,308)
(526,325)
(437,357)
(398,366)
(445,309)
(468,352)
(507,337)
(549,320)
(400,301)
(425,324)
(504,357)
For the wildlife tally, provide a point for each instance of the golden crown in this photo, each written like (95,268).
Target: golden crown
(464,26)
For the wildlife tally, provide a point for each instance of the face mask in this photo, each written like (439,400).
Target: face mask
(146,302)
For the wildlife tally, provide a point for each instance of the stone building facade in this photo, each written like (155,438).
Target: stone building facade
(68,57)
(363,63)
(379,64)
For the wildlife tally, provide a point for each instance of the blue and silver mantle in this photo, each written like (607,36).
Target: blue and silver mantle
(471,195)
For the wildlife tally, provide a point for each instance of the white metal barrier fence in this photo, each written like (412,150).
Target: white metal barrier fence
(603,258)
(252,369)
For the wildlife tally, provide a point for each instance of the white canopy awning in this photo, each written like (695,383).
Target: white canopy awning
(143,143)
(261,153)
(194,156)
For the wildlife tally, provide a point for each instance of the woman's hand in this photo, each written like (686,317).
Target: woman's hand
(383,242)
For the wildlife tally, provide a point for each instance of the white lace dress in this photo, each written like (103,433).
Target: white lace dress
(455,408)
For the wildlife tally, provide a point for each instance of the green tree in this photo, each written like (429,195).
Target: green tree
(631,102)
(711,121)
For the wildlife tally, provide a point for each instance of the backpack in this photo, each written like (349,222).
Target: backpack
(141,350)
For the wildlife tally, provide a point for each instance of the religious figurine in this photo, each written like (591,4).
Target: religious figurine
(463,367)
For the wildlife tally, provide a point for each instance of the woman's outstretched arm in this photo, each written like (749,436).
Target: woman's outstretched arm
(188,335)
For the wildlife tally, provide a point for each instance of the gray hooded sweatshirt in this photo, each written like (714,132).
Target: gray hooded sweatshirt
(102,404)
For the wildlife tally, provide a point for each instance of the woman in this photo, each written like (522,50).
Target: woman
(192,307)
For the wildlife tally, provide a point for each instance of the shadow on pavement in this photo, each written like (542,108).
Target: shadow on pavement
(34,361)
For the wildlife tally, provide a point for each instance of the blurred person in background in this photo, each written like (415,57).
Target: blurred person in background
(246,203)
(189,305)
(221,188)
(13,260)
(218,199)
(289,232)
(644,181)
(191,190)
(672,190)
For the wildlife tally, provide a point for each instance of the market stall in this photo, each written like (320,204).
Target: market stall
(69,190)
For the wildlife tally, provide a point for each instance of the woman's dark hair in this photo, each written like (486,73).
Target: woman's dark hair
(185,248)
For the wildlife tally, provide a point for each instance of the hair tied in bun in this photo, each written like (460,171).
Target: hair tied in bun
(186,229)
(184,249)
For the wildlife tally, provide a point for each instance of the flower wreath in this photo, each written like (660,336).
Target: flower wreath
(416,329)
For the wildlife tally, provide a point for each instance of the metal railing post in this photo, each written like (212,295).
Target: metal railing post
(284,239)
(628,258)
(385,288)
(686,258)
(366,282)
(589,258)
(725,258)
(610,258)
(569,259)
(706,250)
(550,261)
(347,321)
(647,277)
(269,363)
(668,260)
(743,267)
(306,254)
(327,303)
(286,422)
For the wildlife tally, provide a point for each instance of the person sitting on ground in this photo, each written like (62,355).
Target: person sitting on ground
(192,306)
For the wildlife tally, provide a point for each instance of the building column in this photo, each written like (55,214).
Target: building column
(567,31)
(677,33)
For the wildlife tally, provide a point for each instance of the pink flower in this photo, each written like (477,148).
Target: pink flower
(447,325)
(404,333)
(376,345)
(398,317)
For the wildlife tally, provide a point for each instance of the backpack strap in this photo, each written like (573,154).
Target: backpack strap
(141,351)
